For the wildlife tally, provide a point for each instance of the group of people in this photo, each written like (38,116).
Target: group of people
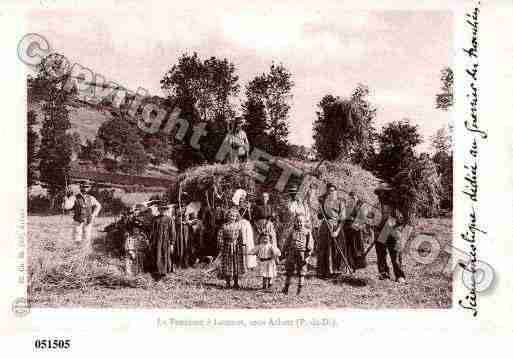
(295,246)
(248,239)
(346,228)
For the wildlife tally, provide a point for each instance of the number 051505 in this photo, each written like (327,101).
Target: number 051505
(52,343)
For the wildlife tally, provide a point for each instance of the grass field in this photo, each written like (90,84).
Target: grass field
(63,275)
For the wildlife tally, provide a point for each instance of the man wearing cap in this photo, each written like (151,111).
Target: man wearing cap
(85,209)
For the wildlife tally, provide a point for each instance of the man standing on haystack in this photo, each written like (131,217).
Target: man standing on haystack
(85,209)
(239,142)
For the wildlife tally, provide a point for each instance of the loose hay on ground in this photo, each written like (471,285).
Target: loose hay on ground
(63,276)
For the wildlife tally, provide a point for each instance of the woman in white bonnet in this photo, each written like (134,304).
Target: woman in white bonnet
(246,229)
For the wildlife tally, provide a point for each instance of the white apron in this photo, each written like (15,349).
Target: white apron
(247,238)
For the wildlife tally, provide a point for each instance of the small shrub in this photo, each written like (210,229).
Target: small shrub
(111,205)
(38,204)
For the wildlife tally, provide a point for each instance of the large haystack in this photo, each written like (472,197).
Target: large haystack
(200,183)
(214,185)
(417,190)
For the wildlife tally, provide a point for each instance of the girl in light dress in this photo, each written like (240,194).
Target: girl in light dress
(266,254)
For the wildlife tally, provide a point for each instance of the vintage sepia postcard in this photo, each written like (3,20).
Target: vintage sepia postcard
(334,169)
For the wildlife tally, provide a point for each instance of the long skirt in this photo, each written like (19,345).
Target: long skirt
(248,240)
(182,251)
(355,247)
(160,246)
(233,260)
(196,243)
(329,259)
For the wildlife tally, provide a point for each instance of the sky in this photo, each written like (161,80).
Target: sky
(328,50)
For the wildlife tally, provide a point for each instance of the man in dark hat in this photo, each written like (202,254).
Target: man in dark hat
(85,209)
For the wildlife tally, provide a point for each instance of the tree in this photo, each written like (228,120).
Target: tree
(441,141)
(274,91)
(158,147)
(343,128)
(75,142)
(134,159)
(117,136)
(255,123)
(299,152)
(414,180)
(55,150)
(443,156)
(326,135)
(32,142)
(445,99)
(204,91)
(396,144)
(92,151)
(204,86)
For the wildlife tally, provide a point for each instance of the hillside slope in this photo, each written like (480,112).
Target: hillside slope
(85,120)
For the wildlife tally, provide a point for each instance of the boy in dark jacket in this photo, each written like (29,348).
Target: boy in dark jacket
(297,248)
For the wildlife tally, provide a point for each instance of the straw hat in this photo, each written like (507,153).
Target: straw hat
(84,185)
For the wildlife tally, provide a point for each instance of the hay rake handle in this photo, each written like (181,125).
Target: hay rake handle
(336,243)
